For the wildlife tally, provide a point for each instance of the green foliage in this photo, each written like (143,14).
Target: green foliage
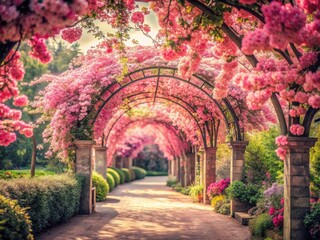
(111,182)
(259,225)
(177,187)
(127,174)
(315,167)
(221,204)
(101,185)
(115,175)
(312,221)
(172,181)
(155,173)
(261,157)
(12,174)
(196,192)
(121,174)
(151,158)
(50,199)
(249,193)
(140,173)
(14,221)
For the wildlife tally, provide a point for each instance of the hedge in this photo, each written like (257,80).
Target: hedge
(121,174)
(111,182)
(14,221)
(101,185)
(115,175)
(127,174)
(132,174)
(50,199)
(140,173)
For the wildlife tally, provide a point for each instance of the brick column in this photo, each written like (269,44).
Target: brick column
(100,165)
(296,187)
(209,170)
(236,172)
(201,159)
(84,167)
(169,168)
(118,162)
(183,170)
(190,168)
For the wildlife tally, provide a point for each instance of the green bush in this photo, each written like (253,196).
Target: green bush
(172,181)
(155,173)
(121,174)
(249,193)
(139,172)
(111,182)
(196,193)
(312,221)
(50,199)
(259,225)
(127,174)
(115,175)
(132,174)
(14,220)
(101,185)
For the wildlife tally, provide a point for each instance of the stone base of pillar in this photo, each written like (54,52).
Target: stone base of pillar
(238,206)
(84,167)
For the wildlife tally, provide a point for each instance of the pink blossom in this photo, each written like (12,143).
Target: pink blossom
(297,129)
(20,101)
(281,153)
(272,211)
(71,34)
(137,17)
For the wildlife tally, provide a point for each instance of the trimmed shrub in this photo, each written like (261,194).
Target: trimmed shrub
(111,182)
(259,225)
(127,174)
(139,172)
(49,199)
(14,221)
(312,221)
(132,174)
(155,173)
(249,193)
(101,185)
(121,174)
(115,175)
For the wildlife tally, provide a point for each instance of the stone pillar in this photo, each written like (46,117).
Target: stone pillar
(296,187)
(236,172)
(118,162)
(209,170)
(100,165)
(190,168)
(201,156)
(126,162)
(169,168)
(84,167)
(183,170)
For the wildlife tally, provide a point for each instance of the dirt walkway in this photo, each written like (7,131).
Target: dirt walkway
(147,209)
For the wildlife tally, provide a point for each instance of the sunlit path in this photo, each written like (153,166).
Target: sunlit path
(147,209)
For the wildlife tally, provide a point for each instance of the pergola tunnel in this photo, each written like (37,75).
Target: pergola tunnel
(153,103)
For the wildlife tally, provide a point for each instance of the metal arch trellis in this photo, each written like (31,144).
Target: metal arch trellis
(145,101)
(212,134)
(200,83)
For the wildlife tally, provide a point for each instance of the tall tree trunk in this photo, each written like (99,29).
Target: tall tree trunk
(5,48)
(33,157)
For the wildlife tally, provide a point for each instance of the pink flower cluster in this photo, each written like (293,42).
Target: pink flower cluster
(282,142)
(297,129)
(218,188)
(71,34)
(39,50)
(277,215)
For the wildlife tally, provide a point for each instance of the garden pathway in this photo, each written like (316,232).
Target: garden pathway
(147,209)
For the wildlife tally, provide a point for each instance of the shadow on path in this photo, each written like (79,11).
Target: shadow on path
(147,209)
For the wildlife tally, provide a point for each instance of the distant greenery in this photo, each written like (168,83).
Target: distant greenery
(12,174)
(155,173)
